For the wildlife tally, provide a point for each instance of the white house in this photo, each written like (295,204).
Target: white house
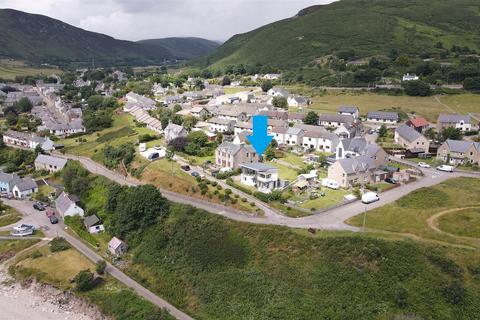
(49,163)
(220,125)
(24,188)
(67,205)
(410,77)
(278,92)
(297,101)
(349,111)
(262,176)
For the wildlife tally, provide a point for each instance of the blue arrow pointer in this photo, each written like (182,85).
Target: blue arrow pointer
(260,139)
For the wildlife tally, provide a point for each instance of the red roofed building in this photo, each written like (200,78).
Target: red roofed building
(420,124)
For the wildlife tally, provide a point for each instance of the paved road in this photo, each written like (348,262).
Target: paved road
(333,219)
(39,220)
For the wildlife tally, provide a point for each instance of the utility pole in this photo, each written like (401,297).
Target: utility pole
(364,219)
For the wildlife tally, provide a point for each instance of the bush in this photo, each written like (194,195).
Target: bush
(147,137)
(100,266)
(36,254)
(454,292)
(59,244)
(84,280)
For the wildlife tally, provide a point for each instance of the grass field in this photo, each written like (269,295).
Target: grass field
(216,268)
(9,248)
(112,297)
(465,223)
(11,69)
(428,107)
(331,198)
(410,214)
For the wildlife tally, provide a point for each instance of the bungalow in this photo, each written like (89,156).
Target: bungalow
(335,120)
(457,121)
(24,188)
(383,117)
(297,101)
(458,152)
(67,205)
(262,176)
(49,163)
(231,155)
(411,139)
(117,247)
(420,124)
(349,111)
(7,181)
(278,92)
(221,125)
(93,224)
(173,131)
(353,171)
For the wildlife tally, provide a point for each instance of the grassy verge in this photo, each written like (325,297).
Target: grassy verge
(9,248)
(465,223)
(10,216)
(410,213)
(112,297)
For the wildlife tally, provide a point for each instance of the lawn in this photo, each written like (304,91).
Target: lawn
(215,268)
(112,297)
(331,198)
(234,90)
(284,172)
(428,107)
(293,159)
(9,216)
(410,213)
(465,223)
(9,70)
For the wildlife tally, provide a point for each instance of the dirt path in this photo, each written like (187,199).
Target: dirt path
(433,223)
(443,104)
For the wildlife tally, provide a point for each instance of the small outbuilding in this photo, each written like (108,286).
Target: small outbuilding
(117,247)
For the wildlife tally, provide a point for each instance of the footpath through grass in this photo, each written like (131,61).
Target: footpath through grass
(464,223)
(410,213)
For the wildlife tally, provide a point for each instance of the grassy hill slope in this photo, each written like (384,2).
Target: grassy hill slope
(369,27)
(185,48)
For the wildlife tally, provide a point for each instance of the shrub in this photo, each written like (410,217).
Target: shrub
(454,292)
(84,280)
(36,254)
(446,265)
(100,266)
(59,244)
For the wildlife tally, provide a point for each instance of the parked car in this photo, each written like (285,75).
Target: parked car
(195,174)
(391,180)
(370,197)
(445,168)
(142,147)
(38,206)
(49,213)
(423,165)
(6,195)
(185,168)
(23,227)
(153,156)
(53,219)
(157,147)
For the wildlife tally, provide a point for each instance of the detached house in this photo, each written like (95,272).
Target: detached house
(7,181)
(199,112)
(383,117)
(349,111)
(49,163)
(458,152)
(278,92)
(411,139)
(457,121)
(231,155)
(262,176)
(24,188)
(173,131)
(297,101)
(353,171)
(67,205)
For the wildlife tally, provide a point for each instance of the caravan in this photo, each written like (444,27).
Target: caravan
(330,183)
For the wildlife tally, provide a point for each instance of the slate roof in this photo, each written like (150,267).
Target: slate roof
(408,133)
(258,166)
(453,118)
(64,201)
(91,221)
(357,164)
(347,109)
(220,121)
(460,146)
(233,149)
(25,184)
(333,117)
(384,115)
(54,161)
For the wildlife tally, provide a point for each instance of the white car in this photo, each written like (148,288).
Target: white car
(445,168)
(423,165)
(370,197)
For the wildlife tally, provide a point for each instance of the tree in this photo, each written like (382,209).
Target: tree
(100,266)
(267,85)
(280,102)
(417,88)
(311,118)
(226,81)
(95,102)
(177,108)
(84,280)
(178,144)
(472,84)
(451,133)
(382,132)
(24,105)
(198,137)
(137,209)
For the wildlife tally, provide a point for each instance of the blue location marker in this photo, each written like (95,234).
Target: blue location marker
(260,139)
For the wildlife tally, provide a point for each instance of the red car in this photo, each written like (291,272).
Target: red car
(50,213)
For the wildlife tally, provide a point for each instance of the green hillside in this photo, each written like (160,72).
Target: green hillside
(39,39)
(369,27)
(184,48)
